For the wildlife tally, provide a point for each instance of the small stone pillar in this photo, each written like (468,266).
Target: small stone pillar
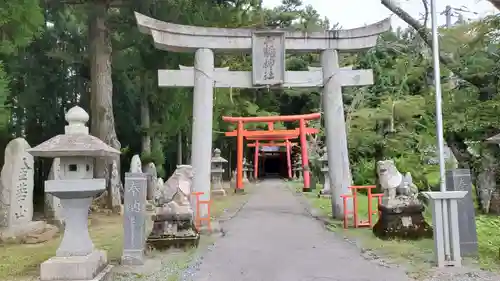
(134,218)
(446,228)
(217,172)
(323,160)
(76,258)
(245,170)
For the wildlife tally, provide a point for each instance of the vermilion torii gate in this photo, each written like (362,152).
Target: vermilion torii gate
(257,144)
(301,132)
(268,48)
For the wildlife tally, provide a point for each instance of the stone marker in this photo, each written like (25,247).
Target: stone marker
(136,164)
(134,221)
(152,174)
(115,185)
(16,192)
(53,208)
(460,180)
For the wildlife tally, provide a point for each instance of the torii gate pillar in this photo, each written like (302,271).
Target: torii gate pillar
(203,96)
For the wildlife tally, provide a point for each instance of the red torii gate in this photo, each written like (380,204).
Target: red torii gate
(240,133)
(287,143)
(257,144)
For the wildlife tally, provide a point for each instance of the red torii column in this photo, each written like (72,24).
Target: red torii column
(288,118)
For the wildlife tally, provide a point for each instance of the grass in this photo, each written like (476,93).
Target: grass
(417,254)
(21,261)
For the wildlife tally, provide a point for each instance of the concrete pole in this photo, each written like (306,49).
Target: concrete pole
(201,141)
(336,135)
(447,12)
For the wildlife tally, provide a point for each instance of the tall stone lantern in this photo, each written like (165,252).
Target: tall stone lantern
(323,160)
(298,167)
(76,258)
(217,172)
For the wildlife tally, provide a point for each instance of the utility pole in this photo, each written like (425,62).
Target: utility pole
(448,13)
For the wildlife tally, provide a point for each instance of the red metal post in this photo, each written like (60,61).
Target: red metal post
(305,159)
(256,161)
(239,158)
(288,159)
(270,126)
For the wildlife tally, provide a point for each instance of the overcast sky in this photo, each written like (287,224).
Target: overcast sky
(356,13)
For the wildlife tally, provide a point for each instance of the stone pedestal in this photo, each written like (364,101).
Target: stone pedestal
(405,222)
(446,226)
(91,267)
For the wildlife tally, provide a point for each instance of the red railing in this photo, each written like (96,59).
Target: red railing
(198,218)
(355,215)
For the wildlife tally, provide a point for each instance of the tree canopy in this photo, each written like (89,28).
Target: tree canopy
(53,55)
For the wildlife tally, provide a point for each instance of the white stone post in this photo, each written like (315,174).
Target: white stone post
(446,239)
(201,141)
(335,127)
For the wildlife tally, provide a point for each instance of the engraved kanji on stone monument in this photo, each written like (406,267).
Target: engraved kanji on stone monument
(268,57)
(134,220)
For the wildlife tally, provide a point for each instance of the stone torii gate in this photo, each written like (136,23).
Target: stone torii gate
(268,49)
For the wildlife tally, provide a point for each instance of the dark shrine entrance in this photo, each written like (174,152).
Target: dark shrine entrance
(274,165)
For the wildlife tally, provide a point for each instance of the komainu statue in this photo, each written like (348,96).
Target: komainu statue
(401,213)
(173,223)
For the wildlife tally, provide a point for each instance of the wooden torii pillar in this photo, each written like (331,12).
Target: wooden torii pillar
(240,133)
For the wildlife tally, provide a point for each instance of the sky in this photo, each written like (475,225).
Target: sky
(356,13)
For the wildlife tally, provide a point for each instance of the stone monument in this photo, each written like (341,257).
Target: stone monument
(151,172)
(217,172)
(401,213)
(460,180)
(173,223)
(323,160)
(134,216)
(136,164)
(16,193)
(76,258)
(52,207)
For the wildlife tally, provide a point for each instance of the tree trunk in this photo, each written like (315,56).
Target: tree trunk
(486,178)
(495,3)
(101,96)
(145,120)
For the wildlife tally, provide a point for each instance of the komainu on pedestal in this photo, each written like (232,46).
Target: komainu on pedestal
(401,213)
(173,223)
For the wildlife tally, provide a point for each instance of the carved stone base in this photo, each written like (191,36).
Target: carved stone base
(181,234)
(92,267)
(405,222)
(19,232)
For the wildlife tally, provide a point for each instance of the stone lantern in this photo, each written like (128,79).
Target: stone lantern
(217,172)
(76,258)
(323,160)
(250,171)
(298,167)
(245,170)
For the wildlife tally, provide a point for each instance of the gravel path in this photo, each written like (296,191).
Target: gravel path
(273,238)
